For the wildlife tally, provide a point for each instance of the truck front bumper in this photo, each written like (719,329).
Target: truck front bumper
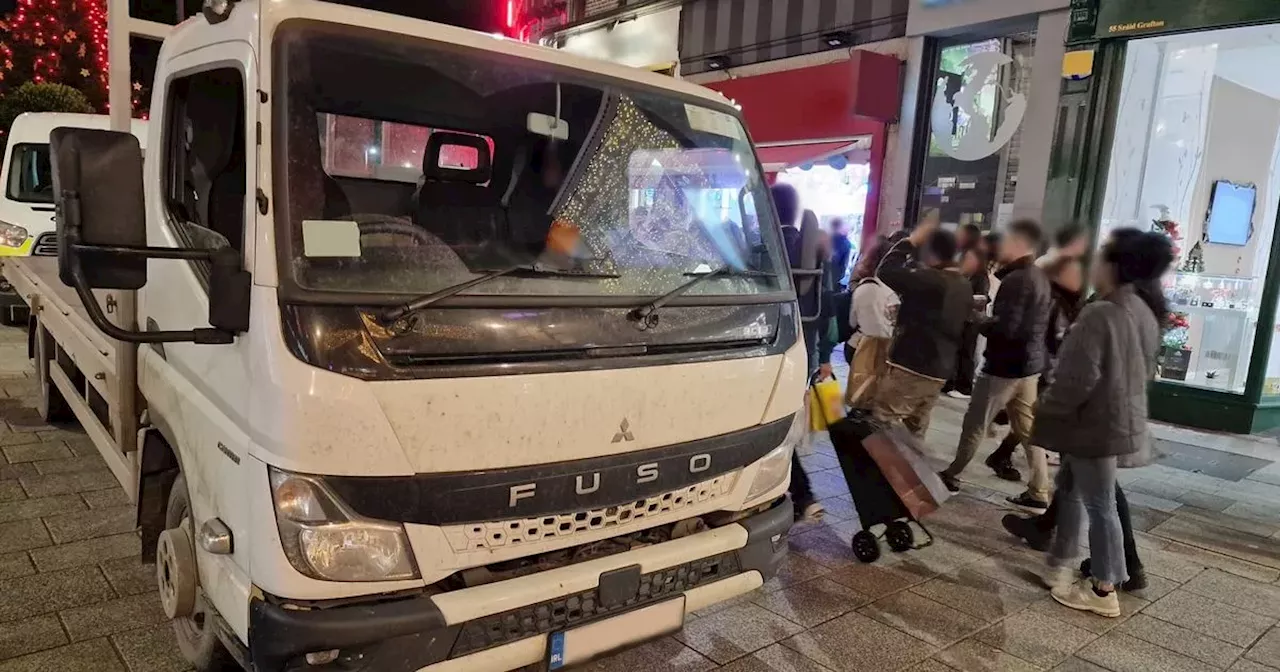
(492,627)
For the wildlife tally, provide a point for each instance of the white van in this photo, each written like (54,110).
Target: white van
(26,208)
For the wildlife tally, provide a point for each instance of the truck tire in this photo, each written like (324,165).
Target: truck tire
(53,407)
(196,635)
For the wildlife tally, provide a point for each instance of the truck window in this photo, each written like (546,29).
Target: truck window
(205,162)
(381,150)
(30,174)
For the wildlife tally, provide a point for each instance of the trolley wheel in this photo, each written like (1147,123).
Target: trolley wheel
(899,536)
(865,547)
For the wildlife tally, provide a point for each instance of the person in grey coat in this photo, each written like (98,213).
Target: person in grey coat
(1095,413)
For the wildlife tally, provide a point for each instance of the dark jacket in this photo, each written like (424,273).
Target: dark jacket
(1019,322)
(841,250)
(1064,308)
(930,328)
(1097,404)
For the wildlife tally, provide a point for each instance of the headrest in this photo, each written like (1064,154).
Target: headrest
(438,167)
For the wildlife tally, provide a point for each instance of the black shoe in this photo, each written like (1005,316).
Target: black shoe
(1003,468)
(1137,577)
(1027,501)
(950,481)
(1027,530)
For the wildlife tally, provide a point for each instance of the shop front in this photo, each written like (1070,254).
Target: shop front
(823,129)
(1187,112)
(986,97)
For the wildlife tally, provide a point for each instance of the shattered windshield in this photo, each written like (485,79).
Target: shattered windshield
(443,164)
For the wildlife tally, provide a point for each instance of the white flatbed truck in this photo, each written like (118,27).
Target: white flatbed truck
(501,365)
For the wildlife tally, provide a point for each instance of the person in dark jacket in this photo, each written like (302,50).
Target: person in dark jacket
(841,253)
(1066,290)
(973,265)
(1014,358)
(1095,414)
(936,304)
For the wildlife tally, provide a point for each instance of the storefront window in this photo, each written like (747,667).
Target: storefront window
(1196,156)
(979,99)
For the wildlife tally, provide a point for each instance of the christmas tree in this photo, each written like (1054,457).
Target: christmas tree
(60,42)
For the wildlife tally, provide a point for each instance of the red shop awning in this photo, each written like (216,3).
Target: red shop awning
(776,158)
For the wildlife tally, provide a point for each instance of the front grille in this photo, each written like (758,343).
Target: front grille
(530,531)
(45,246)
(584,607)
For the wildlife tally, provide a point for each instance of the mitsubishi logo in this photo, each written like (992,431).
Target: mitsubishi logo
(624,432)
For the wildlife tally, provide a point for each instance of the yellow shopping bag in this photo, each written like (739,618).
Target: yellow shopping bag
(825,404)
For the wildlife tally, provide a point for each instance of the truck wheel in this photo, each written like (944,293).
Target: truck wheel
(53,407)
(180,591)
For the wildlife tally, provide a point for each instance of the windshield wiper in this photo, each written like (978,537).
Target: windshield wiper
(539,270)
(646,316)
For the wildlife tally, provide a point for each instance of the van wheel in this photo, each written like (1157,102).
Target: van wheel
(53,407)
(180,591)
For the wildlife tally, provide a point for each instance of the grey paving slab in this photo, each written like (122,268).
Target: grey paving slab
(1226,563)
(15,471)
(40,506)
(29,635)
(1074,664)
(48,592)
(1260,528)
(92,656)
(735,632)
(111,616)
(923,618)
(99,499)
(128,576)
(1205,501)
(1157,587)
(32,452)
(977,595)
(1129,605)
(13,565)
(22,535)
(10,490)
(877,580)
(812,602)
(87,552)
(71,465)
(1156,488)
(824,545)
(1036,638)
(1208,461)
(1237,591)
(151,649)
(1247,547)
(776,658)
(1143,518)
(931,665)
(974,656)
(1246,665)
(1122,653)
(80,525)
(61,484)
(1189,643)
(1267,649)
(854,643)
(1210,617)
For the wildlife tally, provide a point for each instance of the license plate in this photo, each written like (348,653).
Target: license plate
(579,645)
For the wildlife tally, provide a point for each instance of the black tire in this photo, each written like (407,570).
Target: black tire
(899,536)
(197,639)
(865,547)
(51,405)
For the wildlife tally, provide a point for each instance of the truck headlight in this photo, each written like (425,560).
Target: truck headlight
(776,466)
(12,235)
(324,540)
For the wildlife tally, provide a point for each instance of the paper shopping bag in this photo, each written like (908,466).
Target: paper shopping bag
(890,453)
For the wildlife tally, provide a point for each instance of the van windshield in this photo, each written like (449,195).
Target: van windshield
(30,174)
(440,164)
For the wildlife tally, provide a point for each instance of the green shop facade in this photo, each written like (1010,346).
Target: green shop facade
(1170,120)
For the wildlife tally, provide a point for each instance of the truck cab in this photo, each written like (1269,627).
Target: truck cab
(452,352)
(26,205)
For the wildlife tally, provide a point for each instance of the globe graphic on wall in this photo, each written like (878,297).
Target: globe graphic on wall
(976,139)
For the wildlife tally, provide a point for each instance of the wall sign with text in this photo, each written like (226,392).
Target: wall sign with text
(1102,19)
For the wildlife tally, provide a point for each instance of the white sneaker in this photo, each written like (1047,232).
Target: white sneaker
(957,394)
(1057,577)
(1081,596)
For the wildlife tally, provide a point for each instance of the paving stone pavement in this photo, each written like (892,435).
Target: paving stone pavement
(76,597)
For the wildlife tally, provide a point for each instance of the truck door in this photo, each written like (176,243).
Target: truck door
(199,195)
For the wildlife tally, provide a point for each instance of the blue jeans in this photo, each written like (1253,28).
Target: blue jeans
(1090,502)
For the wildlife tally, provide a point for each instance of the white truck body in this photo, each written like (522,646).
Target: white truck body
(520,484)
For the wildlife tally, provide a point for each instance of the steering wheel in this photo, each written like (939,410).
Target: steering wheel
(374,224)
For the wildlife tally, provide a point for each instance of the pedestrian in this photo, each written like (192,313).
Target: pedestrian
(1066,290)
(786,200)
(1013,360)
(1070,242)
(1095,414)
(967,236)
(841,252)
(937,301)
(973,266)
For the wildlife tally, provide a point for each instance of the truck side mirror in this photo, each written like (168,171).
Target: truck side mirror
(97,186)
(102,236)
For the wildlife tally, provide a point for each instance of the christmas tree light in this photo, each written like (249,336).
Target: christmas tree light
(59,41)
